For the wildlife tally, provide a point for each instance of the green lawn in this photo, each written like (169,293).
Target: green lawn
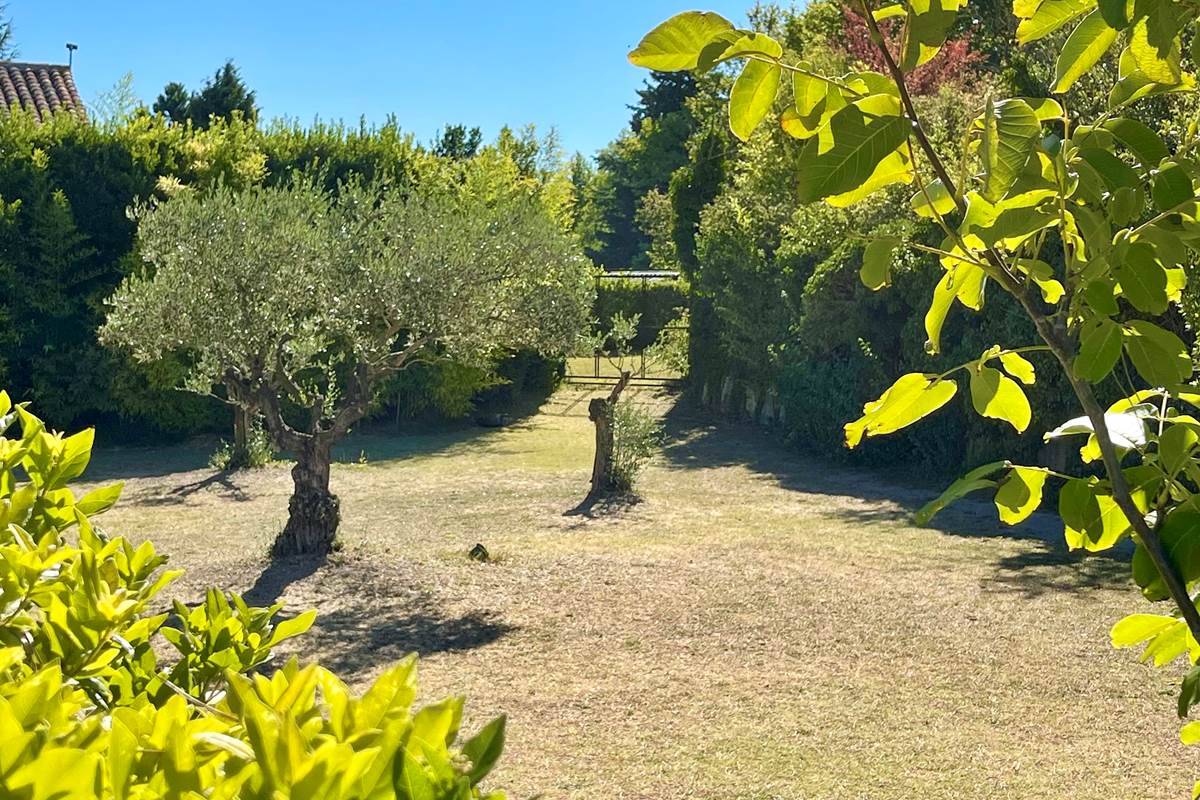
(760,626)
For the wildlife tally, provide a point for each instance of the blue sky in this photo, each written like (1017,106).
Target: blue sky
(430,63)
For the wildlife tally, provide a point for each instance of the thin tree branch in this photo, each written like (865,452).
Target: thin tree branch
(906,99)
(1054,335)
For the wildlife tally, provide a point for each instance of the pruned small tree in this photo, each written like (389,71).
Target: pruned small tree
(625,434)
(612,345)
(300,303)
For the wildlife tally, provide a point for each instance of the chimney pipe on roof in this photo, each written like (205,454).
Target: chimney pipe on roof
(71,48)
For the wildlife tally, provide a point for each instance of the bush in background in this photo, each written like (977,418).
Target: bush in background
(66,242)
(259,451)
(657,301)
(637,435)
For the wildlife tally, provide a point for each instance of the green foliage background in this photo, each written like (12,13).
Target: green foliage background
(657,301)
(66,241)
(776,300)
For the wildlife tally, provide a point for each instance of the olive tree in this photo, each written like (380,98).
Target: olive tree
(300,302)
(1087,223)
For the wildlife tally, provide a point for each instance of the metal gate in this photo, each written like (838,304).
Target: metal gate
(598,368)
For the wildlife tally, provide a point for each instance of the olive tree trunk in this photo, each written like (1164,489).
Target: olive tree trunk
(313,511)
(600,412)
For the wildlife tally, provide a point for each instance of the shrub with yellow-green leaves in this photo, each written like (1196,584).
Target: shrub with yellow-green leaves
(88,709)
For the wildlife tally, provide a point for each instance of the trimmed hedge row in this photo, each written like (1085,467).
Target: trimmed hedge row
(846,346)
(656,299)
(66,242)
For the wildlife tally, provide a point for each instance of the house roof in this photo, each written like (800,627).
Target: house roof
(39,88)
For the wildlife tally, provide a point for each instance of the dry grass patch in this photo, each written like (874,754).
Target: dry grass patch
(759,626)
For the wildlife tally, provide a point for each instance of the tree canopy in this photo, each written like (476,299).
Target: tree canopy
(222,96)
(299,302)
(457,142)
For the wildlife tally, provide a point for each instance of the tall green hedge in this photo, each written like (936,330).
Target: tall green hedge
(66,241)
(779,309)
(657,300)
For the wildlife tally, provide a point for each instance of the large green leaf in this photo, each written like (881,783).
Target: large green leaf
(1099,350)
(1189,695)
(752,96)
(1180,534)
(1115,173)
(910,398)
(876,271)
(1136,85)
(1042,274)
(846,152)
(1100,296)
(1154,41)
(1045,17)
(484,749)
(1086,45)
(749,43)
(73,459)
(293,627)
(677,43)
(998,396)
(939,307)
(1019,367)
(1010,129)
(1143,279)
(1008,223)
(1175,448)
(973,481)
(1137,628)
(1116,12)
(963,281)
(1159,356)
(814,102)
(896,167)
(1091,518)
(100,500)
(933,201)
(1172,187)
(1143,142)
(411,782)
(1020,493)
(926,27)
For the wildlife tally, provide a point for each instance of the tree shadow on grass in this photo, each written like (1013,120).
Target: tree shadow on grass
(366,617)
(1056,570)
(278,575)
(110,463)
(695,440)
(223,483)
(356,639)
(373,441)
(602,505)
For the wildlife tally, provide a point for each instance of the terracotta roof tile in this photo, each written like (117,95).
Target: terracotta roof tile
(40,88)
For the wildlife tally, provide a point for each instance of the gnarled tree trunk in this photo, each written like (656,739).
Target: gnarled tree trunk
(600,412)
(313,512)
